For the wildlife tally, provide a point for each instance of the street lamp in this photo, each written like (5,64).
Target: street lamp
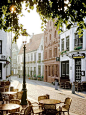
(24,96)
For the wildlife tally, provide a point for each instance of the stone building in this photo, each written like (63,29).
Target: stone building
(51,52)
(34,57)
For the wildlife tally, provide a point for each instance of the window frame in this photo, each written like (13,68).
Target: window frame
(1,47)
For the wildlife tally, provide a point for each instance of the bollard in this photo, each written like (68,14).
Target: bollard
(56,84)
(73,88)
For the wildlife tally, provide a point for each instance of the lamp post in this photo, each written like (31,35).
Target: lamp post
(24,96)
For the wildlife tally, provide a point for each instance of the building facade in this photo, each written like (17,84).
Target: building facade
(34,57)
(51,52)
(14,58)
(73,55)
(5,54)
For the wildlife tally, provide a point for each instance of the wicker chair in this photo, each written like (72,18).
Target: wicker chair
(15,101)
(19,95)
(35,109)
(67,85)
(50,109)
(43,97)
(66,106)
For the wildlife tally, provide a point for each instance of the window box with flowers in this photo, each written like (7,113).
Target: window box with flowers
(34,61)
(61,53)
(38,61)
(78,47)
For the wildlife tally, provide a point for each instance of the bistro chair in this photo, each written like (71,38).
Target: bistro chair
(43,97)
(19,95)
(65,107)
(67,85)
(35,109)
(1,89)
(15,101)
(50,109)
(11,88)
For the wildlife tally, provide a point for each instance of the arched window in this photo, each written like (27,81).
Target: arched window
(50,53)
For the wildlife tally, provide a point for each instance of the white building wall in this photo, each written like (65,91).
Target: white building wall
(68,55)
(6,47)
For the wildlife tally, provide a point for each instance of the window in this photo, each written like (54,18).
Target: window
(50,53)
(39,56)
(34,56)
(55,34)
(49,70)
(67,43)
(55,52)
(62,44)
(31,57)
(65,69)
(57,70)
(34,70)
(39,70)
(78,41)
(0,47)
(52,70)
(46,39)
(45,54)
(50,36)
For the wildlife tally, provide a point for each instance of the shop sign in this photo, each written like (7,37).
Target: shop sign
(81,55)
(57,58)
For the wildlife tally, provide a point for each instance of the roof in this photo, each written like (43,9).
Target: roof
(33,44)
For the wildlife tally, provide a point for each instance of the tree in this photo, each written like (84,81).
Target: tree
(48,9)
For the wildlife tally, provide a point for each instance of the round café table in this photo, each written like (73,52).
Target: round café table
(49,101)
(8,93)
(9,107)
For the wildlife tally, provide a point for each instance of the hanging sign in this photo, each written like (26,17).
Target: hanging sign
(57,58)
(81,55)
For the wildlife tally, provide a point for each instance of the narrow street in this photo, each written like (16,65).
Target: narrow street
(36,88)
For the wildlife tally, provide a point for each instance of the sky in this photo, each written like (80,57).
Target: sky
(31,22)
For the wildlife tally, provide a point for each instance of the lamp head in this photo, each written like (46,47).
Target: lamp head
(24,36)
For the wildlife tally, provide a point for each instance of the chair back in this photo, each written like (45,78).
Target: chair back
(1,89)
(11,88)
(19,95)
(15,101)
(67,103)
(27,110)
(43,97)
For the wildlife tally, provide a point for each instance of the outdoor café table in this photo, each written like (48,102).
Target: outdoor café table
(8,93)
(49,101)
(9,107)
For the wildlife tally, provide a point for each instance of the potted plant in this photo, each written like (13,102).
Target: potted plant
(28,76)
(38,77)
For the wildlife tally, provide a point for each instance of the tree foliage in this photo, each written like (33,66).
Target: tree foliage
(48,9)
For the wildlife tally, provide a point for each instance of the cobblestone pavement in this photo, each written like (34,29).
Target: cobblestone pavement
(36,88)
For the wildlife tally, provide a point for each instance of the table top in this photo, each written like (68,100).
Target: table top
(9,92)
(49,101)
(7,107)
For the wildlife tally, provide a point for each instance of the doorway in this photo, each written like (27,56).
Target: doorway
(78,70)
(0,70)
